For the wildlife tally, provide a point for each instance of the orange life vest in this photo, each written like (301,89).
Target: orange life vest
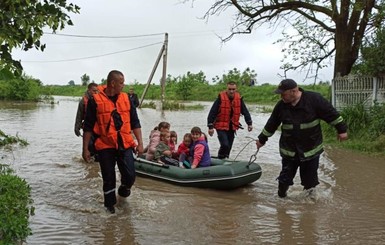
(85,101)
(228,110)
(105,126)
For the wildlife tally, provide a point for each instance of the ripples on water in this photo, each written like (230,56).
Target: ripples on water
(69,202)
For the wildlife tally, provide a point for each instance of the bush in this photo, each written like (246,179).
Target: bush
(15,207)
(366,128)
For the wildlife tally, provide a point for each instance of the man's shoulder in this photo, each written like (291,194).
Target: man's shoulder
(312,96)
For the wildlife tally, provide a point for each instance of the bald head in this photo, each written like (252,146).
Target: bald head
(114,75)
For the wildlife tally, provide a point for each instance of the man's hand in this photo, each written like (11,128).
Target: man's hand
(86,155)
(77,132)
(342,137)
(250,128)
(139,150)
(211,132)
(259,144)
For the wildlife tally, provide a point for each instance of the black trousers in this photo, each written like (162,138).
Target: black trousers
(307,170)
(226,139)
(108,159)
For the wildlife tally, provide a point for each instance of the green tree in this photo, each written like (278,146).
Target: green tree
(22,23)
(372,60)
(23,89)
(71,83)
(320,30)
(85,79)
(185,83)
(236,75)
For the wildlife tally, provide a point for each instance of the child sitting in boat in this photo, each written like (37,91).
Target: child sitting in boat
(199,149)
(154,139)
(184,151)
(163,153)
(172,144)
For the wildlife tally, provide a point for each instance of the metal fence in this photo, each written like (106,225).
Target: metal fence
(352,90)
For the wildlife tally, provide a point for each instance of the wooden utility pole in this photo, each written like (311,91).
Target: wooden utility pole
(163,51)
(164,71)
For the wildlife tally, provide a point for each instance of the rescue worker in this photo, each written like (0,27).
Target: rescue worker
(224,117)
(299,113)
(133,96)
(92,89)
(111,116)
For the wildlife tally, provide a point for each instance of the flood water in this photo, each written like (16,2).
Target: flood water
(348,207)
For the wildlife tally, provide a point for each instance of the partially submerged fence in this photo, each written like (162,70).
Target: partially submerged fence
(352,90)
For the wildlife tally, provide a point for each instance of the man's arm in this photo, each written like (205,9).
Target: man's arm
(89,122)
(213,115)
(329,114)
(136,128)
(271,125)
(86,141)
(138,135)
(79,117)
(245,112)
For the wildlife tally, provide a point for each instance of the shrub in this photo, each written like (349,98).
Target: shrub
(15,207)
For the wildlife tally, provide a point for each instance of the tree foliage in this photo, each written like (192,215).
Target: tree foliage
(85,79)
(21,89)
(247,77)
(372,60)
(185,83)
(22,23)
(319,30)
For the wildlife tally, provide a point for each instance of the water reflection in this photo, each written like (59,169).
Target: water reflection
(69,204)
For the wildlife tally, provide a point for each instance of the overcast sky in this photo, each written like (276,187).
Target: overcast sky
(193,45)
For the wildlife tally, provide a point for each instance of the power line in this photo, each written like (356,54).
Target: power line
(109,37)
(95,56)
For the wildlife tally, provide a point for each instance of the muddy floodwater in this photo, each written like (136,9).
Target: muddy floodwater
(348,207)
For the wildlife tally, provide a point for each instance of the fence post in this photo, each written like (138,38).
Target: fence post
(375,90)
(333,93)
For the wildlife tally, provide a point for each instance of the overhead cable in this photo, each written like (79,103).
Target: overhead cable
(95,56)
(106,37)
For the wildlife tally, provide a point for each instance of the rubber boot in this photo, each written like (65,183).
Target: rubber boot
(282,190)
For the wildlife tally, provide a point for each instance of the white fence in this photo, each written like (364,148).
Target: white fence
(352,90)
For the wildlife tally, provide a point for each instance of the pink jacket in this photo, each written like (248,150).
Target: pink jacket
(154,141)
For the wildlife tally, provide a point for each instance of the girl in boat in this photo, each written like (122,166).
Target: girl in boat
(183,152)
(173,142)
(163,153)
(155,139)
(199,149)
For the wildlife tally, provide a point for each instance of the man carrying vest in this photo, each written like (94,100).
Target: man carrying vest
(112,116)
(224,116)
(299,114)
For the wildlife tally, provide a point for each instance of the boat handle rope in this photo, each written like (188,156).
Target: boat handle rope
(252,157)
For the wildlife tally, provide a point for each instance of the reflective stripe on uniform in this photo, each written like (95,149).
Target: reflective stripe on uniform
(266,133)
(305,154)
(287,153)
(302,125)
(313,151)
(338,120)
(108,192)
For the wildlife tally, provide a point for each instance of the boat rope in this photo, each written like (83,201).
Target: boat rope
(252,139)
(252,158)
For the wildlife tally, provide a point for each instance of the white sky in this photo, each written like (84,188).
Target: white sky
(193,44)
